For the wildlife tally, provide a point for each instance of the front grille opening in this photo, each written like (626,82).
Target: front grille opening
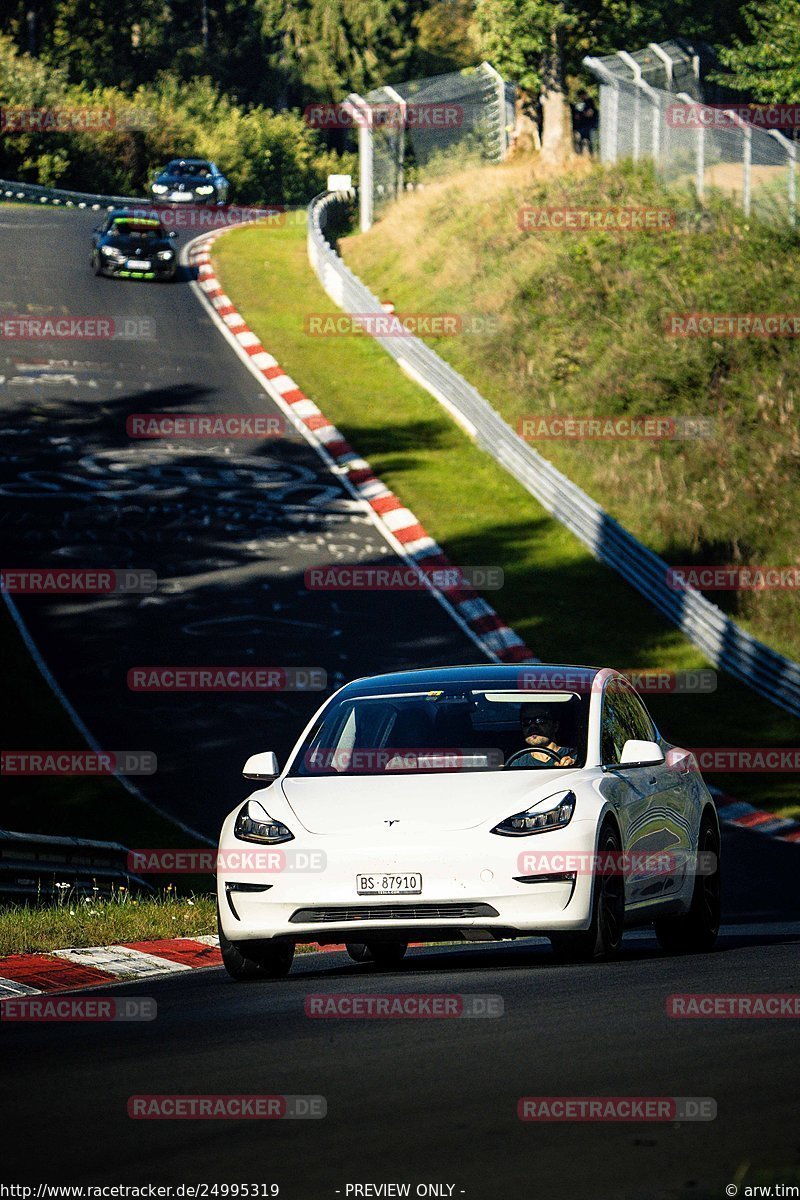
(391,912)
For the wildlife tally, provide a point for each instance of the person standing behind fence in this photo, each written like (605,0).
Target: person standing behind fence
(584,123)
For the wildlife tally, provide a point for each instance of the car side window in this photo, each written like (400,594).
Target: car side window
(640,720)
(623,717)
(612,732)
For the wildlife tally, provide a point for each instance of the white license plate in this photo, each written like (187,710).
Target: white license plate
(181,196)
(388,885)
(139,264)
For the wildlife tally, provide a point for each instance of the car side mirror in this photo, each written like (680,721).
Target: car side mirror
(636,753)
(263,767)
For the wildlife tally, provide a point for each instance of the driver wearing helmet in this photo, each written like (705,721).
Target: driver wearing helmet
(541,725)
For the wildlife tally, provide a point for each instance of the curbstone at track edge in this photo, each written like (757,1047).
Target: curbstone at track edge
(101,966)
(737,812)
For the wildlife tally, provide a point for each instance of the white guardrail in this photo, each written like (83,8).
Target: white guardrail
(725,644)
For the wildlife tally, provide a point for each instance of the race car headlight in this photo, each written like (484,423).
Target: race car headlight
(534,820)
(205,189)
(160,188)
(254,824)
(164,255)
(111,252)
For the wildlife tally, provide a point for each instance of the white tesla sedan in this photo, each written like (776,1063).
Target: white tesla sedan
(476,803)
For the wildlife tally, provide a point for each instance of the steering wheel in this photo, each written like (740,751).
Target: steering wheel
(532,750)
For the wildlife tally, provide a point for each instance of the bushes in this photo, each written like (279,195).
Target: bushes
(268,157)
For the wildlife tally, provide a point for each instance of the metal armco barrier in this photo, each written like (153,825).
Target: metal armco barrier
(32,866)
(726,645)
(11,190)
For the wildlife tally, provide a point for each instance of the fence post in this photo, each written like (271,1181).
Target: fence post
(633,65)
(501,101)
(700,151)
(747,159)
(609,130)
(365,151)
(791,159)
(401,142)
(661,53)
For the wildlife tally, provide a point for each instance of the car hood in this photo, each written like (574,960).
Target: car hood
(129,246)
(435,801)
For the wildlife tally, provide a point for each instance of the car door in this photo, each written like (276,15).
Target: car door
(646,826)
(674,799)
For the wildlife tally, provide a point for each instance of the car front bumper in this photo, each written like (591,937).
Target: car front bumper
(474,885)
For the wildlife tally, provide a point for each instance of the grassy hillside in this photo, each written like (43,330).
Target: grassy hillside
(581,332)
(565,604)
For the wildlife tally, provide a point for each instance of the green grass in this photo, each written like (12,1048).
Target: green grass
(90,922)
(581,332)
(566,605)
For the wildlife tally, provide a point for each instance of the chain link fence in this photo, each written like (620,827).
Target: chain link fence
(723,146)
(411,132)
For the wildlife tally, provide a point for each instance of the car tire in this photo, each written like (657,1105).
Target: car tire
(602,940)
(696,932)
(255,960)
(96,265)
(383,954)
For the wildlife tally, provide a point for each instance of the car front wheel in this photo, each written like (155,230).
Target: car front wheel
(255,960)
(603,937)
(696,932)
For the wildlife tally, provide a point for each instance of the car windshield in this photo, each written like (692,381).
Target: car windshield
(138,230)
(464,729)
(176,167)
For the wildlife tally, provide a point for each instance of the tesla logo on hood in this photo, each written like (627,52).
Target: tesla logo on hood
(391,823)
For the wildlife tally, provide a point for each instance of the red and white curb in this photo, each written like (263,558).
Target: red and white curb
(737,812)
(66,970)
(93,966)
(398,524)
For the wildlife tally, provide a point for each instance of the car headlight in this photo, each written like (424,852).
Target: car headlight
(254,824)
(534,820)
(111,252)
(205,189)
(164,255)
(160,188)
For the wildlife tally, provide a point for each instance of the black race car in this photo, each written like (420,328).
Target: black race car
(190,180)
(134,247)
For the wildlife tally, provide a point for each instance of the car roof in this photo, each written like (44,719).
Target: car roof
(194,161)
(482,674)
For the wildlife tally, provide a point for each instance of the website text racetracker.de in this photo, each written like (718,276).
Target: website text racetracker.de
(144,1191)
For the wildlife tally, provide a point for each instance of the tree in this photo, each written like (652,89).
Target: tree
(329,48)
(768,64)
(524,40)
